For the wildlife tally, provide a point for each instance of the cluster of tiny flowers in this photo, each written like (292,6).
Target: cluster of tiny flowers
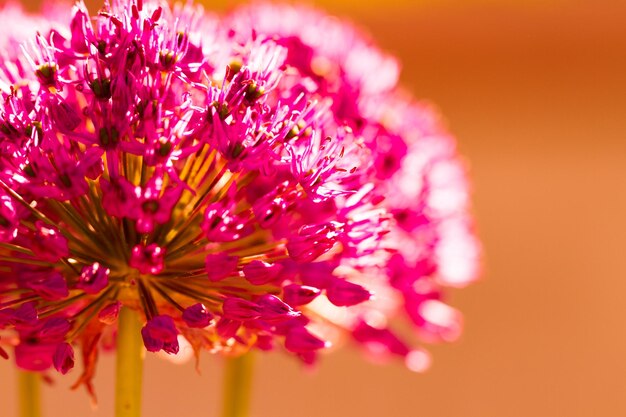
(250,182)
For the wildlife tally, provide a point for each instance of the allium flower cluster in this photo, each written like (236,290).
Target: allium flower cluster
(255,181)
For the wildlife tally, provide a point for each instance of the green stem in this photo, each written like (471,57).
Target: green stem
(237,384)
(29,386)
(130,353)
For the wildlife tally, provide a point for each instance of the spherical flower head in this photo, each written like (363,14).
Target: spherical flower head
(248,182)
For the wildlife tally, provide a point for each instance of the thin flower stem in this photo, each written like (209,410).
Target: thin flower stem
(237,386)
(130,353)
(29,385)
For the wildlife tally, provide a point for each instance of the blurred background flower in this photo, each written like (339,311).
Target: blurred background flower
(535,92)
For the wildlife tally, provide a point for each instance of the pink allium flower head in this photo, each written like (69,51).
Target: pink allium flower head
(254,181)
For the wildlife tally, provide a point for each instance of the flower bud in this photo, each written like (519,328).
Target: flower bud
(260,273)
(197,316)
(93,278)
(273,309)
(109,314)
(300,340)
(50,284)
(63,358)
(148,259)
(48,243)
(220,266)
(298,295)
(240,309)
(343,293)
(160,333)
(227,328)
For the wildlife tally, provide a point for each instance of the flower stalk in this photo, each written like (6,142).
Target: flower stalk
(237,386)
(130,355)
(29,386)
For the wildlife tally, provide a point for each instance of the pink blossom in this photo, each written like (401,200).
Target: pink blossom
(257,181)
(63,358)
(148,259)
(93,279)
(259,272)
(297,295)
(345,293)
(160,333)
(220,265)
(300,340)
(197,315)
(109,314)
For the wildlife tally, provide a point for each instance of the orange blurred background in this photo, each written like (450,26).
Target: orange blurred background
(535,91)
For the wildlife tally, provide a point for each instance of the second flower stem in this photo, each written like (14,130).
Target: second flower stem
(130,354)
(237,384)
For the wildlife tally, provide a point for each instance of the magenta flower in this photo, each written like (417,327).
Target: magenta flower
(253,182)
(160,334)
